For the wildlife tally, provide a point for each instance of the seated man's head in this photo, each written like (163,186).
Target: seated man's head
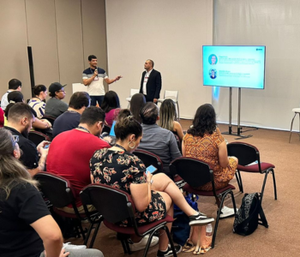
(92,119)
(149,113)
(79,101)
(15,84)
(57,90)
(20,117)
(13,97)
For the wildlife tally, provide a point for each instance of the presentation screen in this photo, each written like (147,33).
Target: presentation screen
(234,66)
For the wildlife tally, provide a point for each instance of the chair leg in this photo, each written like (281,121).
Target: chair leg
(219,213)
(274,184)
(149,243)
(170,240)
(123,238)
(292,122)
(239,180)
(264,185)
(94,235)
(88,234)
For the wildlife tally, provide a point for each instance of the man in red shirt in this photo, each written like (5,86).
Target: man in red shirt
(70,152)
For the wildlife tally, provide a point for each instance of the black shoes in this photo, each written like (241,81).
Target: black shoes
(200,219)
(169,251)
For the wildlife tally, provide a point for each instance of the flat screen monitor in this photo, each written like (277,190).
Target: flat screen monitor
(234,66)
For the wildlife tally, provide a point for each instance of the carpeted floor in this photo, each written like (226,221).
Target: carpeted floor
(281,238)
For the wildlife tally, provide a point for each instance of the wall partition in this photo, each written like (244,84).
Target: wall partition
(171,32)
(274,24)
(62,34)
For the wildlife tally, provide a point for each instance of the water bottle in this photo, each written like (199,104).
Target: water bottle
(209,230)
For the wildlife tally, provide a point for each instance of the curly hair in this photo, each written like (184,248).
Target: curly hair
(204,121)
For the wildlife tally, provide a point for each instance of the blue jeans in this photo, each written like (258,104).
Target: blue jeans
(95,99)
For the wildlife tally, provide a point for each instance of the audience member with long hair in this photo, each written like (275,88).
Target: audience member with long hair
(205,142)
(137,102)
(153,195)
(37,103)
(27,228)
(111,106)
(167,113)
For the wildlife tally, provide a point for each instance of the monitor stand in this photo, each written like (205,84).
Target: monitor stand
(239,128)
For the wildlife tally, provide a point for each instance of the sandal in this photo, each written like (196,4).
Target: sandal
(197,250)
(204,250)
(188,246)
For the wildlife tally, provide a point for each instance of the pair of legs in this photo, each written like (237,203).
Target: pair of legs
(95,99)
(171,194)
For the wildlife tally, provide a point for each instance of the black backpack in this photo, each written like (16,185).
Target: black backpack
(249,215)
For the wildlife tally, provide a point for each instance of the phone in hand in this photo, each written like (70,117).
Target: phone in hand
(151,169)
(46,146)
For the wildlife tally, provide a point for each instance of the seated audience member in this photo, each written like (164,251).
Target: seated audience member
(19,123)
(17,97)
(167,113)
(37,103)
(205,142)
(157,140)
(137,102)
(27,227)
(1,118)
(55,106)
(70,151)
(153,195)
(13,85)
(111,106)
(70,119)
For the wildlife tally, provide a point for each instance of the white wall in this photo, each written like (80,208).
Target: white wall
(171,33)
(276,25)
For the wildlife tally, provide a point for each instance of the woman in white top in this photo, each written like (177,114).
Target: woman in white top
(37,103)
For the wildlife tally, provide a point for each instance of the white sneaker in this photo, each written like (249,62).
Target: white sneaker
(227,212)
(68,245)
(142,244)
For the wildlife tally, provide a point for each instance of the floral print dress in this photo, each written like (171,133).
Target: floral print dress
(119,169)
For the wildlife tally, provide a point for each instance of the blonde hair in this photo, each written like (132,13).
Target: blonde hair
(167,114)
(12,171)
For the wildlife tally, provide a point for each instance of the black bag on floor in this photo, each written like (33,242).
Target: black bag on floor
(249,215)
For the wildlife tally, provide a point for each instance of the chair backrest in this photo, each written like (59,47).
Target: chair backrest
(134,91)
(37,137)
(57,189)
(194,172)
(112,203)
(49,118)
(245,153)
(171,95)
(149,158)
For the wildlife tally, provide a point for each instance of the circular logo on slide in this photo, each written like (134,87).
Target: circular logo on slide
(212,59)
(213,73)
